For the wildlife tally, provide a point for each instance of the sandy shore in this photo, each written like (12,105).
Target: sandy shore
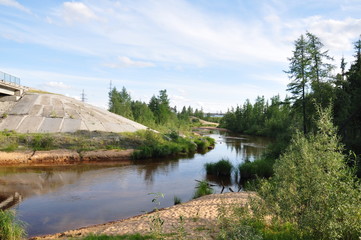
(62,157)
(196,219)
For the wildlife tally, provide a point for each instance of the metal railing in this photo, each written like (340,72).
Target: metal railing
(9,78)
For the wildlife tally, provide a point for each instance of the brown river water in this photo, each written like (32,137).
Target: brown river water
(55,199)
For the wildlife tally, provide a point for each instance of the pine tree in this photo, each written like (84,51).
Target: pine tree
(299,73)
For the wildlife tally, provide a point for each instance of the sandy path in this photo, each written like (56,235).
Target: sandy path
(199,220)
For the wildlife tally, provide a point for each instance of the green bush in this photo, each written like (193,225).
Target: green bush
(154,146)
(262,168)
(220,168)
(312,188)
(202,189)
(10,227)
(42,142)
(203,143)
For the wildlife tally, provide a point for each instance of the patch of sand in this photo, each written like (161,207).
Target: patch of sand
(199,219)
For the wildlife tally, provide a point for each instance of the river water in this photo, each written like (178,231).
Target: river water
(56,199)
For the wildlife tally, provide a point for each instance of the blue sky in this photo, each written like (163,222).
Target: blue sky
(207,53)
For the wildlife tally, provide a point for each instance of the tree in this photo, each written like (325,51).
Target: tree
(299,74)
(120,103)
(319,68)
(160,107)
(313,188)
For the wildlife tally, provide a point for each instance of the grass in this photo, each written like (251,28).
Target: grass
(120,237)
(202,189)
(10,227)
(158,146)
(79,141)
(259,168)
(177,200)
(203,143)
(220,168)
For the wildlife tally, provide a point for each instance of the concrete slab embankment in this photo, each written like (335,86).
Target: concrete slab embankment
(51,113)
(63,157)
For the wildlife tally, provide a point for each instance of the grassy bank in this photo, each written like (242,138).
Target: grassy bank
(147,143)
(156,145)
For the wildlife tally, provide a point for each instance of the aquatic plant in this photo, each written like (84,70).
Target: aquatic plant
(262,168)
(202,189)
(221,168)
(10,227)
(177,200)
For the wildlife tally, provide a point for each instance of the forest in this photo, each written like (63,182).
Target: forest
(157,114)
(308,180)
(313,84)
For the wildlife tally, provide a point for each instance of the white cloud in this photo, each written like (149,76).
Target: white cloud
(14,4)
(77,12)
(125,62)
(57,85)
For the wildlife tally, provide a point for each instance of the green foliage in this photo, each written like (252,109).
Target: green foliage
(10,227)
(259,118)
(142,113)
(312,195)
(121,237)
(259,168)
(203,143)
(202,189)
(120,103)
(41,142)
(157,145)
(221,168)
(177,200)
(313,189)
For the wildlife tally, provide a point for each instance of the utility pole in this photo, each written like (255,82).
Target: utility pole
(83,98)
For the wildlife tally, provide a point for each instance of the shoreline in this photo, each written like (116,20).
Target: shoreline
(199,219)
(62,157)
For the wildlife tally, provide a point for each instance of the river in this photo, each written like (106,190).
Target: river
(56,199)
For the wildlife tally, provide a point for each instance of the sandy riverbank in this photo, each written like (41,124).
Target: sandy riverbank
(62,157)
(199,219)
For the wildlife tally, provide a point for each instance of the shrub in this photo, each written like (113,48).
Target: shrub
(312,188)
(10,227)
(262,168)
(203,143)
(42,142)
(202,189)
(220,168)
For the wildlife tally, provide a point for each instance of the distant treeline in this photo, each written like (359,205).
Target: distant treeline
(157,114)
(312,85)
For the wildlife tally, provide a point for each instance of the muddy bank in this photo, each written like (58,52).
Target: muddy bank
(62,157)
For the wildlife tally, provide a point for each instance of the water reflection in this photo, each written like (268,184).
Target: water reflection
(59,198)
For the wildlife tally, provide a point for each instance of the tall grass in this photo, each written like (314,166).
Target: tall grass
(10,227)
(202,189)
(221,168)
(203,143)
(156,145)
(262,168)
